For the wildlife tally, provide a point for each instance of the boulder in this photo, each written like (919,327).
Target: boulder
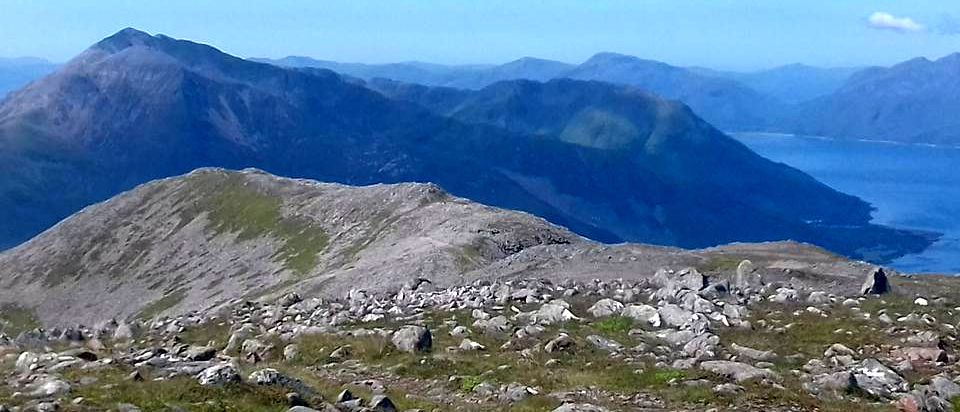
(878,380)
(559,343)
(831,386)
(125,332)
(924,354)
(818,298)
(701,346)
(688,278)
(497,326)
(753,354)
(272,377)
(412,339)
(642,313)
(381,403)
(737,371)
(218,375)
(604,344)
(875,283)
(944,388)
(289,299)
(200,353)
(580,407)
(605,307)
(515,392)
(552,313)
(674,316)
(48,387)
(747,276)
(468,345)
(26,361)
(291,352)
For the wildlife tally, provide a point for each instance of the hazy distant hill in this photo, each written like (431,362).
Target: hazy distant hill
(16,73)
(608,162)
(792,83)
(464,77)
(723,102)
(914,101)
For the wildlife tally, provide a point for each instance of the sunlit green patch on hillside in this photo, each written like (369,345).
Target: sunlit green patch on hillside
(235,205)
(15,319)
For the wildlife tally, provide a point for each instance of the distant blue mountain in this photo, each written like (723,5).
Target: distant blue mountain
(610,162)
(793,83)
(723,102)
(916,101)
(463,76)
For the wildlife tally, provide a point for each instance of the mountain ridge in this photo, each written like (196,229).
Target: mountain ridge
(213,237)
(86,132)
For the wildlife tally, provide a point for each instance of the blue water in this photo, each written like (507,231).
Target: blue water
(911,186)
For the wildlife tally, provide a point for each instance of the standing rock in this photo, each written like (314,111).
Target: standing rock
(875,284)
(412,339)
(747,275)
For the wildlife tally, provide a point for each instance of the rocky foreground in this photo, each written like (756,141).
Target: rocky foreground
(678,340)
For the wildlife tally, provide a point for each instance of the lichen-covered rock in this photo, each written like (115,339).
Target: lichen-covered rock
(642,313)
(552,313)
(737,371)
(220,374)
(878,380)
(412,339)
(605,307)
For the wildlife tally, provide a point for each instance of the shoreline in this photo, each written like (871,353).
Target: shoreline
(840,139)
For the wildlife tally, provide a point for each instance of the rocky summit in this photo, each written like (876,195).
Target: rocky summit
(242,291)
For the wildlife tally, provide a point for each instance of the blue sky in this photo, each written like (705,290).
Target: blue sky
(716,33)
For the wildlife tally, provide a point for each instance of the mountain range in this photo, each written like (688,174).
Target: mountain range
(908,102)
(903,103)
(916,101)
(610,162)
(721,101)
(792,83)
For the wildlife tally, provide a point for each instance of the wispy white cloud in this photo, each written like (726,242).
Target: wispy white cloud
(886,21)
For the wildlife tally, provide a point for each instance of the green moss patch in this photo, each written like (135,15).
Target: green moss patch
(15,319)
(160,305)
(235,205)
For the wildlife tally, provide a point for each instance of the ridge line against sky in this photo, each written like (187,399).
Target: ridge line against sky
(722,34)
